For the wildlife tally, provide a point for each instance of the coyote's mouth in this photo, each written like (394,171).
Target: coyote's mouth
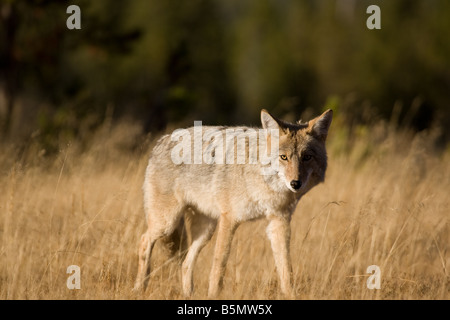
(292,189)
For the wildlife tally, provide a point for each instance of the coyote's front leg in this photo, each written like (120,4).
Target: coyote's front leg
(227,227)
(279,233)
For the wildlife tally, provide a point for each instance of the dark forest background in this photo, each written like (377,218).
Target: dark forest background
(168,63)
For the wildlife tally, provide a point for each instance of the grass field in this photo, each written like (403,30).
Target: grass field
(385,202)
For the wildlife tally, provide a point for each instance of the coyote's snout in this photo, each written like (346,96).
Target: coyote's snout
(204,194)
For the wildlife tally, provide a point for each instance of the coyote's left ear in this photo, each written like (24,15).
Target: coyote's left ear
(318,127)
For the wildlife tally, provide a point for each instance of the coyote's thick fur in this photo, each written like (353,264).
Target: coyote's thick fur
(204,194)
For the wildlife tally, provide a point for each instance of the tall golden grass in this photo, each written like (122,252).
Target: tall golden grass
(385,202)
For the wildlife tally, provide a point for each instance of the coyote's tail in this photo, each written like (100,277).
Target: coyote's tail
(176,244)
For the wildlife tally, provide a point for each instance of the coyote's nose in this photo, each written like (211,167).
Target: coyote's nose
(296,184)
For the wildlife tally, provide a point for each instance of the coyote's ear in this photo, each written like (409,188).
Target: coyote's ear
(268,122)
(319,126)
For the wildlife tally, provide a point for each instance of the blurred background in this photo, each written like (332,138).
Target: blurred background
(167,63)
(80,109)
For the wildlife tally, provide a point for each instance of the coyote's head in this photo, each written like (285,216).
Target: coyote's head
(302,158)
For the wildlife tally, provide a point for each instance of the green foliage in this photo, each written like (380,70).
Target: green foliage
(170,62)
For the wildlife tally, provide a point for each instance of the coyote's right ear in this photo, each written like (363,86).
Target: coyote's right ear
(268,121)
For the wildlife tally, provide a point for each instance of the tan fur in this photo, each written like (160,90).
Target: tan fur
(204,194)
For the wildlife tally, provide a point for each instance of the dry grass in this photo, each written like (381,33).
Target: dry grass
(385,202)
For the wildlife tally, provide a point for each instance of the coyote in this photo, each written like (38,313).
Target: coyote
(199,195)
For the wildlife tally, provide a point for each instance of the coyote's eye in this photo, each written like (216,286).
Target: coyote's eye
(283,157)
(306,157)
